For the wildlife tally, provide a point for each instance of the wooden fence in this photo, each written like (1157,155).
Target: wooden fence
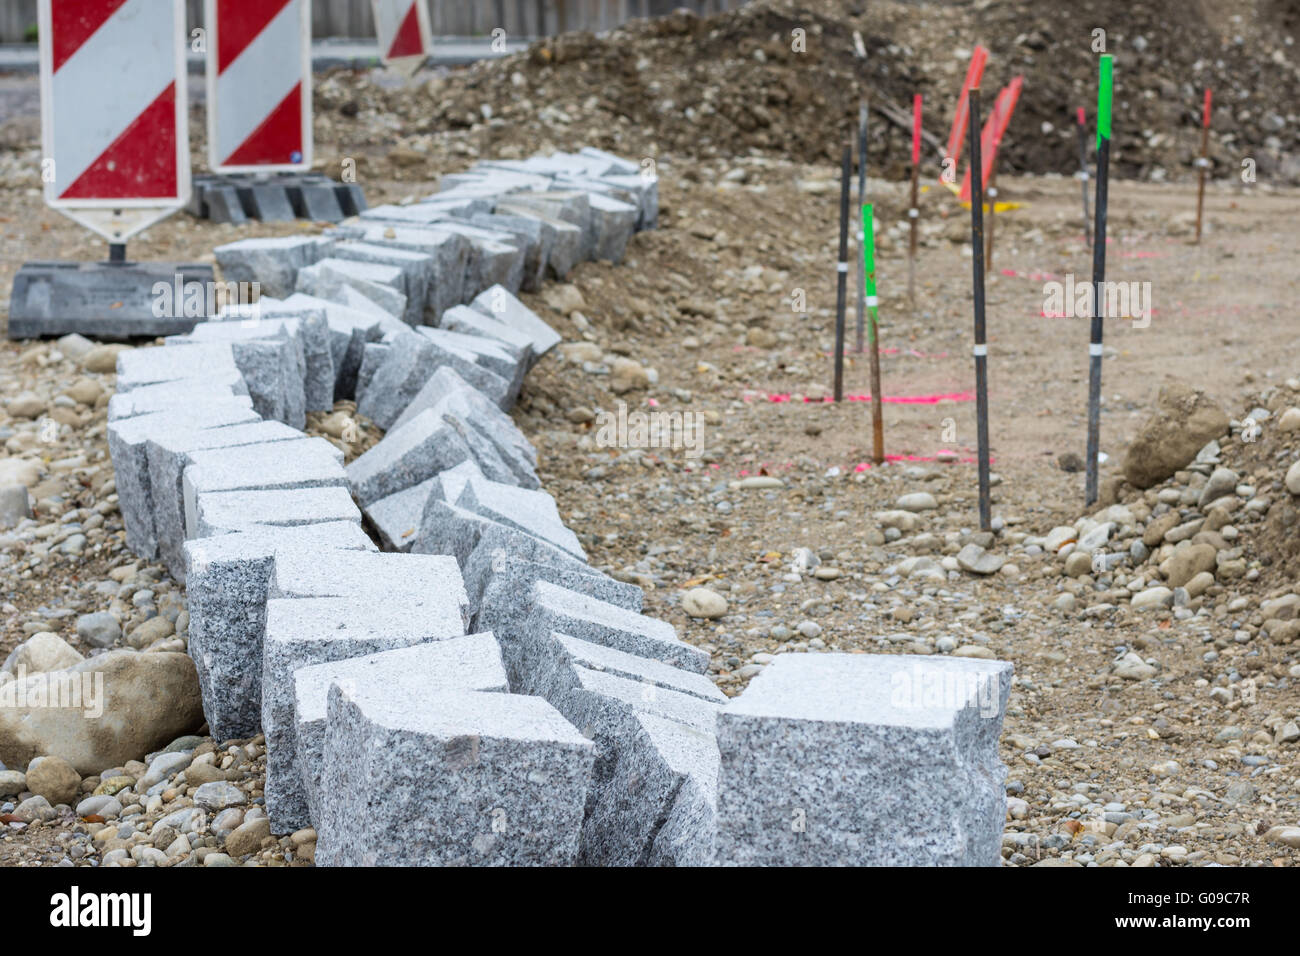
(519,18)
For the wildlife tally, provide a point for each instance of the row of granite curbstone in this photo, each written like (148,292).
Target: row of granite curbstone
(459,685)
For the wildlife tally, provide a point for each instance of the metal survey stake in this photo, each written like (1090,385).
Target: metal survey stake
(843,269)
(869,274)
(1098,276)
(981,347)
(914,211)
(1203,162)
(862,199)
(1083,176)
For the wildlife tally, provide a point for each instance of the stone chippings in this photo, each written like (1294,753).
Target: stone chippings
(478,693)
(880,760)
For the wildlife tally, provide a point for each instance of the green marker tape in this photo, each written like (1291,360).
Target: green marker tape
(869,264)
(1103,98)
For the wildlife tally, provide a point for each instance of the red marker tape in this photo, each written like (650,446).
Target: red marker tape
(1083,120)
(1205,112)
(973,76)
(916,129)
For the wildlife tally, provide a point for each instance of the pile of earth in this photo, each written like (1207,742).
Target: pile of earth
(683,86)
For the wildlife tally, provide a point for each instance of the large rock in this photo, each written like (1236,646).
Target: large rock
(1184,420)
(54,779)
(115,707)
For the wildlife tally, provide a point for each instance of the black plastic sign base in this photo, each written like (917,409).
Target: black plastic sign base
(279,197)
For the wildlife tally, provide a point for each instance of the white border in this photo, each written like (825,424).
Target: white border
(426,38)
(304,32)
(160,206)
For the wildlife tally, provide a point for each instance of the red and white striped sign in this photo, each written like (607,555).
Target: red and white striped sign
(259,85)
(113,120)
(405,38)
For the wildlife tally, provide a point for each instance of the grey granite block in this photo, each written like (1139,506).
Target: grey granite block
(275,370)
(303,463)
(153,366)
(531,511)
(222,386)
(577,615)
(569,206)
(314,326)
(425,585)
(221,512)
(405,457)
(272,262)
(614,164)
(397,517)
(376,287)
(348,332)
(469,663)
(689,834)
(127,447)
(498,303)
(494,256)
(504,564)
(648,739)
(227,578)
(508,364)
(450,251)
(533,235)
(406,366)
(452,779)
(457,401)
(550,658)
(418,271)
(469,321)
(168,453)
(565,249)
(373,356)
(820,763)
(305,631)
(612,223)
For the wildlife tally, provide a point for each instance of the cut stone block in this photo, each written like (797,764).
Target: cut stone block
(469,663)
(168,453)
(450,251)
(272,262)
(222,512)
(689,834)
(641,192)
(223,386)
(430,211)
(508,364)
(460,403)
(227,578)
(568,206)
(467,321)
(373,356)
(577,615)
(426,585)
(504,564)
(530,234)
(378,287)
(616,164)
(565,239)
(305,631)
(494,257)
(830,742)
(612,223)
(127,447)
(348,331)
(304,463)
(648,740)
(418,271)
(397,517)
(533,512)
(407,456)
(500,305)
(551,658)
(308,323)
(153,366)
(409,366)
(498,779)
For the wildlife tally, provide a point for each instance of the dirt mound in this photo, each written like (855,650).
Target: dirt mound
(734,84)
